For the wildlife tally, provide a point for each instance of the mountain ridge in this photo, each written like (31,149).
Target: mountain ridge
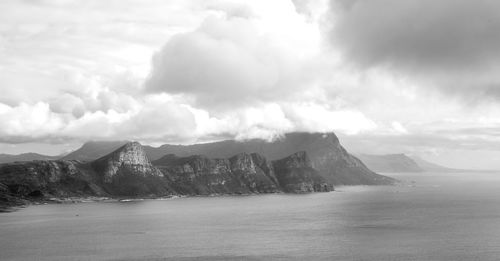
(127,171)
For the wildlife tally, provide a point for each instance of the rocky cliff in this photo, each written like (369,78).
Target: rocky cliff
(242,173)
(239,174)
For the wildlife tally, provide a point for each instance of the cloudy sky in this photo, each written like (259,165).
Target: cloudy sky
(420,77)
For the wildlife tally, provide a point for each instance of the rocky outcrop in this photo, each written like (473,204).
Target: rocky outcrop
(128,172)
(296,175)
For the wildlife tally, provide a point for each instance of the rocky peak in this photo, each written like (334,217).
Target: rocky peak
(131,153)
(130,158)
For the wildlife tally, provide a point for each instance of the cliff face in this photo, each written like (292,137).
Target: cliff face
(296,174)
(201,175)
(242,173)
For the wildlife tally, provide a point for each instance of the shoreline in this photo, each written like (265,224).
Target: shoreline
(17,203)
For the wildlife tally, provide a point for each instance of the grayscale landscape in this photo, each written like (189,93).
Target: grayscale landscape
(249,130)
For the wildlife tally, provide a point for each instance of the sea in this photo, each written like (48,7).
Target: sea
(429,216)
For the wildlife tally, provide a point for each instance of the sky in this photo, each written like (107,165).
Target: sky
(419,77)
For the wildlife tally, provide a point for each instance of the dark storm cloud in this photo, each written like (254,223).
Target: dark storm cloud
(453,43)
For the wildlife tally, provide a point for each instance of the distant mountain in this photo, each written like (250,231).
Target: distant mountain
(400,163)
(390,163)
(327,156)
(4,158)
(93,150)
(429,166)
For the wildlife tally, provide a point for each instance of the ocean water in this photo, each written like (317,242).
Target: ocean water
(439,216)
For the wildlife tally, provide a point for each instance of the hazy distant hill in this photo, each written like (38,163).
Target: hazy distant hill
(399,163)
(4,158)
(93,150)
(390,163)
(429,166)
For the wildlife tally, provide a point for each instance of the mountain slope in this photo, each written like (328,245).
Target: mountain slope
(390,163)
(93,150)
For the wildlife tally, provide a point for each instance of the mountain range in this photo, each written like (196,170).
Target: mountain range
(5,158)
(296,163)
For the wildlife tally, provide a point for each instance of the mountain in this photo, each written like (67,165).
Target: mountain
(326,154)
(5,158)
(127,171)
(390,163)
(93,150)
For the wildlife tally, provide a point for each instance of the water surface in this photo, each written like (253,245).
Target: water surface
(443,216)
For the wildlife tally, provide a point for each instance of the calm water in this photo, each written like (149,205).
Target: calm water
(443,217)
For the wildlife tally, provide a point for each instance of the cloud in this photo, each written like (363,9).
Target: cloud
(452,45)
(232,60)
